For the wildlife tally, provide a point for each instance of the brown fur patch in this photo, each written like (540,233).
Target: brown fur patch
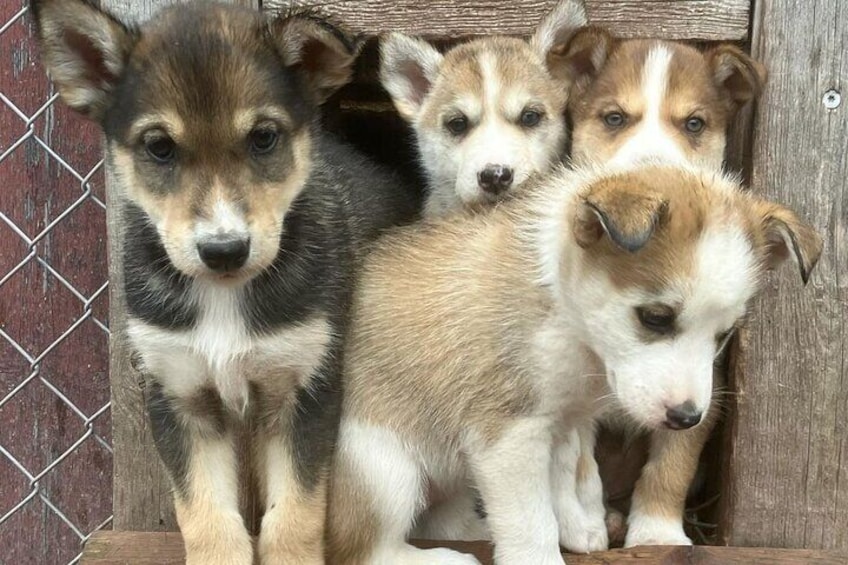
(464,371)
(634,199)
(352,526)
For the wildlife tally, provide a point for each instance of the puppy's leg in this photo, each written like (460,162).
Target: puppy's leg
(296,439)
(578,493)
(453,519)
(378,489)
(197,450)
(513,476)
(590,489)
(656,513)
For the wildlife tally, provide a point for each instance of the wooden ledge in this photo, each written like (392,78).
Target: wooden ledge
(166,548)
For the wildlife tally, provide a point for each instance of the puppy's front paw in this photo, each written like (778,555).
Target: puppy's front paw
(648,530)
(220,540)
(230,552)
(580,533)
(616,527)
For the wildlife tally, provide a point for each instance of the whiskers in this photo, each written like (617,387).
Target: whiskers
(723,399)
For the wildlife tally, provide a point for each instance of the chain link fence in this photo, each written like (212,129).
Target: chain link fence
(55,426)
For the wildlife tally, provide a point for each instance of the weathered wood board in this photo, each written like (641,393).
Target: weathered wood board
(118,548)
(788,450)
(673,19)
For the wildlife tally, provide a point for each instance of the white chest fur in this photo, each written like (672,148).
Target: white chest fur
(220,352)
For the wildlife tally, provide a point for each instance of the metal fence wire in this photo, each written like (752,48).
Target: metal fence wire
(55,422)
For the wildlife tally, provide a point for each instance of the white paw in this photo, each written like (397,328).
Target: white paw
(444,556)
(647,530)
(580,533)
(409,555)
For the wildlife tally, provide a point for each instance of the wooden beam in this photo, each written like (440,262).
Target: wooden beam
(672,19)
(141,491)
(145,548)
(788,451)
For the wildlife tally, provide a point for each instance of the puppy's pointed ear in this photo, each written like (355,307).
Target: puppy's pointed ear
(320,52)
(85,51)
(786,235)
(626,213)
(555,31)
(736,73)
(408,69)
(583,57)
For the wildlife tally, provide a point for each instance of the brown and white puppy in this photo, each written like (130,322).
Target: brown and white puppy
(634,99)
(487,114)
(242,226)
(484,345)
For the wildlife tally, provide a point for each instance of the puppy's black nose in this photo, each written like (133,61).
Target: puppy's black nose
(224,254)
(683,416)
(495,179)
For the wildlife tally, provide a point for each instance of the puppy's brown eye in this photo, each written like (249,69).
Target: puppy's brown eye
(162,149)
(614,119)
(657,318)
(695,125)
(530,118)
(457,125)
(262,140)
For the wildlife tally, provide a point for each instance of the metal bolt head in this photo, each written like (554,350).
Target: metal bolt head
(832,99)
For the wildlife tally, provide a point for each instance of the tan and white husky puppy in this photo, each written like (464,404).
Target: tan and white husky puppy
(483,346)
(488,113)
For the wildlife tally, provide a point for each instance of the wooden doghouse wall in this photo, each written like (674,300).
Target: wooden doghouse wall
(787,451)
(786,443)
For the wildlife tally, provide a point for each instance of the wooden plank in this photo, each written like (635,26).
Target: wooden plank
(36,427)
(788,456)
(139,548)
(672,19)
(141,491)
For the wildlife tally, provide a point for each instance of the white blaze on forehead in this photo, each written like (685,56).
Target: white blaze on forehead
(226,219)
(650,137)
(655,81)
(491,85)
(724,277)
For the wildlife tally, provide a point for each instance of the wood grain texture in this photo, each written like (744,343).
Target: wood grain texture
(673,19)
(114,548)
(142,497)
(788,455)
